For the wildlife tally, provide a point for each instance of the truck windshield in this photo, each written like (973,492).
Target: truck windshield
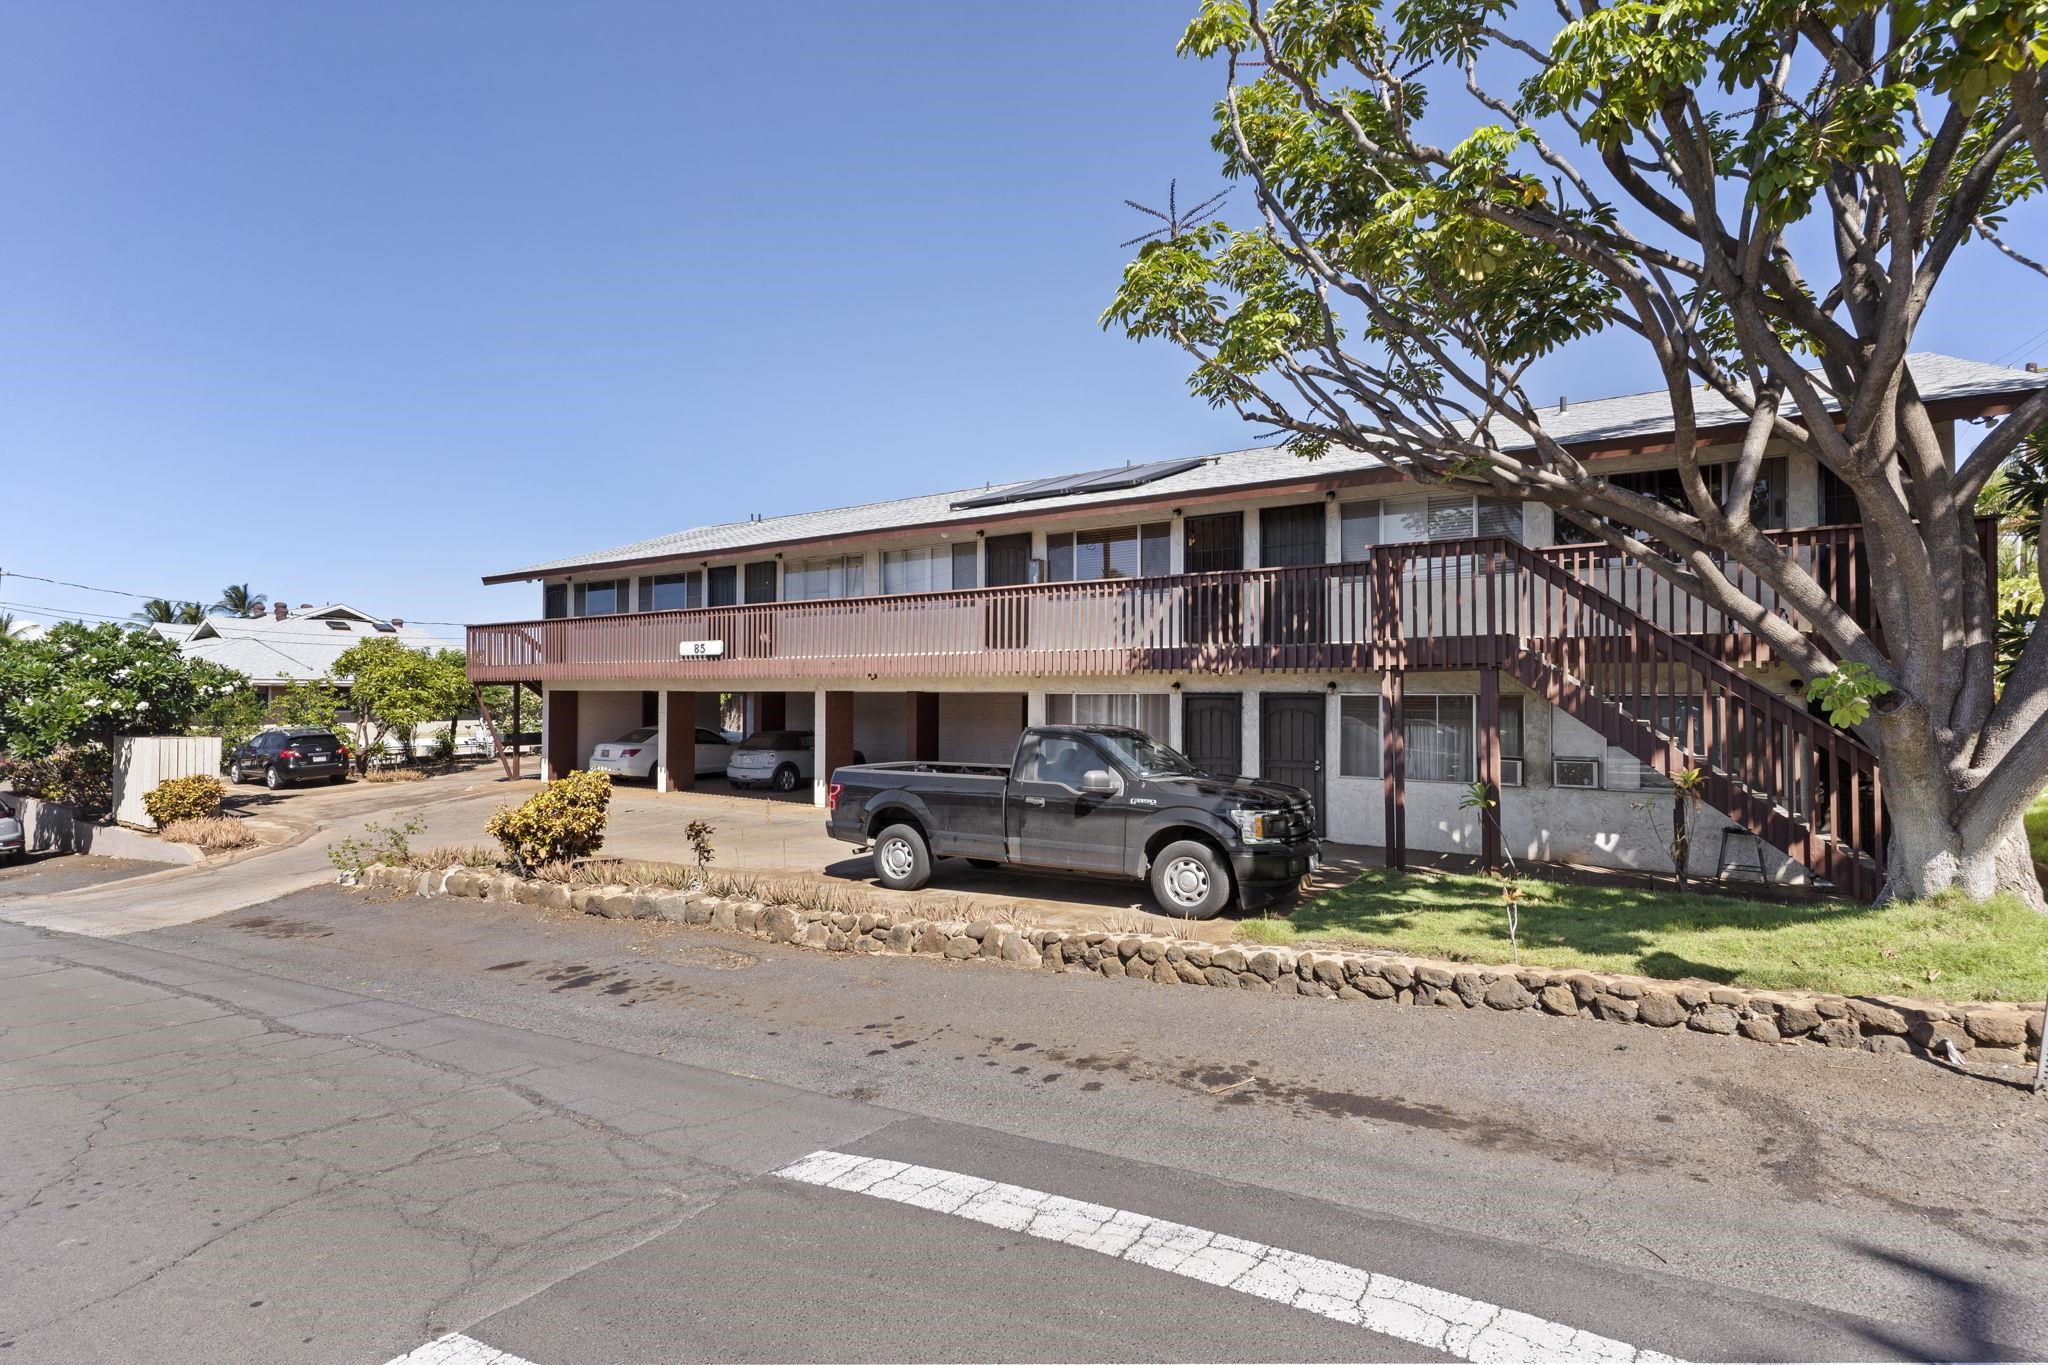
(1148,757)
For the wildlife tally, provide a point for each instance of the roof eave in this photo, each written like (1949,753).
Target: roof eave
(1958,408)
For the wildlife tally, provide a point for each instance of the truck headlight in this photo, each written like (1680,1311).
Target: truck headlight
(1252,826)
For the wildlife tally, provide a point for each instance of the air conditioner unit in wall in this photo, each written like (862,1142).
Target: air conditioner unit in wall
(1581,773)
(1511,772)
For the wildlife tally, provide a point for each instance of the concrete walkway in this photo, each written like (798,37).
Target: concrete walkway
(453,807)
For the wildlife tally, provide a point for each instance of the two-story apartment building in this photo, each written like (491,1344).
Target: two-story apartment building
(1327,623)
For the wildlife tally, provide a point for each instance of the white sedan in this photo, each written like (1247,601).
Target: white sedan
(635,753)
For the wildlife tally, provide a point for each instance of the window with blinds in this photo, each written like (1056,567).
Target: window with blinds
(1147,711)
(929,568)
(1425,517)
(832,576)
(1111,552)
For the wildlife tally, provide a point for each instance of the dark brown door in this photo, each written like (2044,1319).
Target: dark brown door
(1214,613)
(563,749)
(1291,742)
(1007,562)
(1292,537)
(761,581)
(1212,731)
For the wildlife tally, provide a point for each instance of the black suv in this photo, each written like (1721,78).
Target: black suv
(282,757)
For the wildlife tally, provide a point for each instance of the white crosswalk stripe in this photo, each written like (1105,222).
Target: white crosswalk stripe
(1436,1319)
(457,1349)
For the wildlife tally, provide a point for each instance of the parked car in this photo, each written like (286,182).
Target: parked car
(278,758)
(1100,800)
(635,753)
(778,759)
(13,845)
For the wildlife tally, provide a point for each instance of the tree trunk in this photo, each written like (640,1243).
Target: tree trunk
(1928,854)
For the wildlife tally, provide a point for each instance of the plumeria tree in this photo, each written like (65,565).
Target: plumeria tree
(1765,196)
(83,685)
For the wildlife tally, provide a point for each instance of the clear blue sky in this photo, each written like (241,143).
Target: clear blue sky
(476,284)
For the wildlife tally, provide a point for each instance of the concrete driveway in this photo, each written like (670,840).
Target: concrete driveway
(301,823)
(785,837)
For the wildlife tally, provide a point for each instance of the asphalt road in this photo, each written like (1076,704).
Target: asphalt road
(330,1128)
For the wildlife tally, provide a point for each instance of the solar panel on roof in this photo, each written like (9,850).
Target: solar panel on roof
(1093,481)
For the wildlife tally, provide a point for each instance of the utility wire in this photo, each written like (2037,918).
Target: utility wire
(169,597)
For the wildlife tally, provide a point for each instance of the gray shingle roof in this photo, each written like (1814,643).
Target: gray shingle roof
(1623,418)
(301,646)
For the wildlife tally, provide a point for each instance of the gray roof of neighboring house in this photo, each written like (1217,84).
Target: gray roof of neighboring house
(302,646)
(1624,418)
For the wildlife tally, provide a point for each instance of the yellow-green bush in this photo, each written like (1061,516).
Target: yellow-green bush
(565,821)
(185,798)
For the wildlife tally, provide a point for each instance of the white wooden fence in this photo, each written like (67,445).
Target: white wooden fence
(143,764)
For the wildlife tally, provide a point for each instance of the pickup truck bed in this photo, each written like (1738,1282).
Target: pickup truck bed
(1094,800)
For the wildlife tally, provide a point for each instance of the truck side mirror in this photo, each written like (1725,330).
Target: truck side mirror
(1100,782)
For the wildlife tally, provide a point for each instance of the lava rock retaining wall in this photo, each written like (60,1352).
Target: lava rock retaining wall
(1989,1033)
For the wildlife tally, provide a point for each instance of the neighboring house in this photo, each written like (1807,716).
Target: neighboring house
(1326,623)
(282,646)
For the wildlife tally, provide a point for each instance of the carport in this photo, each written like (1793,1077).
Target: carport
(880,725)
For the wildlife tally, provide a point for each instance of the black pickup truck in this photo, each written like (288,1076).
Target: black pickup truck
(1095,799)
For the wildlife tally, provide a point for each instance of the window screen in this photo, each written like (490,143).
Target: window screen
(1359,741)
(1147,711)
(928,568)
(1420,518)
(554,601)
(672,592)
(1440,735)
(600,599)
(1109,552)
(833,576)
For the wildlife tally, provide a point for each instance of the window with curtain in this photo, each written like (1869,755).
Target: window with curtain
(1441,737)
(1147,711)
(1358,752)
(1111,552)
(1421,518)
(672,591)
(928,568)
(831,576)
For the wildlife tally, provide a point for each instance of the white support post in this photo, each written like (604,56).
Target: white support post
(821,776)
(661,721)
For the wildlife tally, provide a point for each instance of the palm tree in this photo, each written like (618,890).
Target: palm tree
(172,613)
(237,600)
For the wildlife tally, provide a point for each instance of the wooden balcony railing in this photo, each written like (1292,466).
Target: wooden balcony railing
(1457,605)
(1837,557)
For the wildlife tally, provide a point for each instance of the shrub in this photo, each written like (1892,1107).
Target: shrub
(214,833)
(80,777)
(197,797)
(563,822)
(390,844)
(394,775)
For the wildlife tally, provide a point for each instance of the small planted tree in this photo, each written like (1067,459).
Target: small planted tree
(1479,796)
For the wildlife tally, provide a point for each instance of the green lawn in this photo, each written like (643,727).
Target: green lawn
(2037,828)
(1944,948)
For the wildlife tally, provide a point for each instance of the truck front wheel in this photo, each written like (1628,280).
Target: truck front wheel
(1190,880)
(902,861)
